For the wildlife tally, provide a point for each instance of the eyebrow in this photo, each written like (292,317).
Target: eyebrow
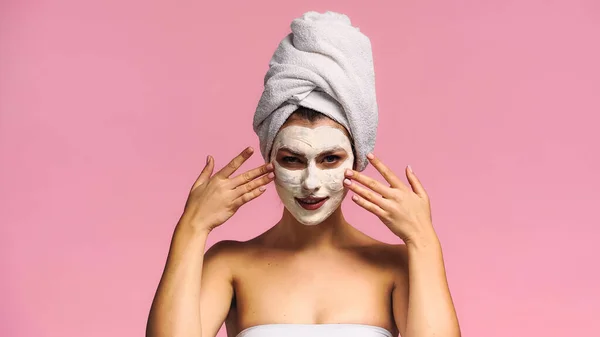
(334,149)
(326,151)
(292,152)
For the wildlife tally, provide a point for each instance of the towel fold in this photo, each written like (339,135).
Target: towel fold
(325,64)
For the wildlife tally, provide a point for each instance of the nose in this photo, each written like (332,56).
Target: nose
(311,182)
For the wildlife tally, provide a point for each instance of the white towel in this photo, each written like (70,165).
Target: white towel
(325,64)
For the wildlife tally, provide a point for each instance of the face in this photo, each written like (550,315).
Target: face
(309,167)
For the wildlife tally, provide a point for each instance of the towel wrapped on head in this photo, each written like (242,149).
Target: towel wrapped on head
(325,64)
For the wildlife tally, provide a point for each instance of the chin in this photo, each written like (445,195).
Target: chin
(308,223)
(315,219)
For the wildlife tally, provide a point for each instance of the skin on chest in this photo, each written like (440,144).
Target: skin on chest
(317,289)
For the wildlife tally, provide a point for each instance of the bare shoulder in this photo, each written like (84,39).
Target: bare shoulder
(229,253)
(225,250)
(392,257)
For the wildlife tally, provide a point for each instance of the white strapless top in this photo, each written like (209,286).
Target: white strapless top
(314,330)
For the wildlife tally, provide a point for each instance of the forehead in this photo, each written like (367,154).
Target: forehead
(314,138)
(294,120)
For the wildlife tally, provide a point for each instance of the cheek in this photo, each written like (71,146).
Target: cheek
(331,179)
(334,178)
(287,178)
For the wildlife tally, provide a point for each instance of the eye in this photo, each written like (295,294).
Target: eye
(290,160)
(331,159)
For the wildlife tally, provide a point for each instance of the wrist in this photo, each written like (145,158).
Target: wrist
(423,240)
(192,229)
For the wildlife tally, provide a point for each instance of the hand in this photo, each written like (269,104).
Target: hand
(215,198)
(405,211)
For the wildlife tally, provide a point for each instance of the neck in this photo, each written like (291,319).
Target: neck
(328,234)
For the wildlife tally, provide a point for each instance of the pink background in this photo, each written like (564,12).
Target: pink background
(109,108)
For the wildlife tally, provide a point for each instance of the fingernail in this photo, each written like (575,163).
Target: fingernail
(262,188)
(269,166)
(207,159)
(349,173)
(355,198)
(410,169)
(347,182)
(271,175)
(370,156)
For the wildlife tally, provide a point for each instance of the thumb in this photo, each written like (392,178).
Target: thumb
(206,172)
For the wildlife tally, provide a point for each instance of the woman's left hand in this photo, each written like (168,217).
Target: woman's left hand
(404,210)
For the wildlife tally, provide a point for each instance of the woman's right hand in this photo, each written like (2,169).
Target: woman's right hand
(215,198)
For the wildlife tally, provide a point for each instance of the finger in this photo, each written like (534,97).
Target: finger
(369,206)
(385,171)
(254,184)
(249,196)
(235,163)
(369,182)
(366,194)
(248,176)
(415,183)
(206,172)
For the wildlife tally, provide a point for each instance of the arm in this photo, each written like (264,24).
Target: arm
(422,303)
(195,291)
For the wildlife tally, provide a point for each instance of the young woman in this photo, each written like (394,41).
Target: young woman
(313,273)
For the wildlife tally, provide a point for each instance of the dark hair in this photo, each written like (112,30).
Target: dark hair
(312,116)
(309,114)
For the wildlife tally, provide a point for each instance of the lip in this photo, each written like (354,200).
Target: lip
(311,207)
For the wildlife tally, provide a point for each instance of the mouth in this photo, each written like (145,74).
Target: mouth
(311,203)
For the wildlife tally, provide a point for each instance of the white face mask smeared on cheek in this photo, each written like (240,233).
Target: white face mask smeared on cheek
(311,185)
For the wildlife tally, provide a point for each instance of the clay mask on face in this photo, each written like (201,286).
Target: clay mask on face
(310,188)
